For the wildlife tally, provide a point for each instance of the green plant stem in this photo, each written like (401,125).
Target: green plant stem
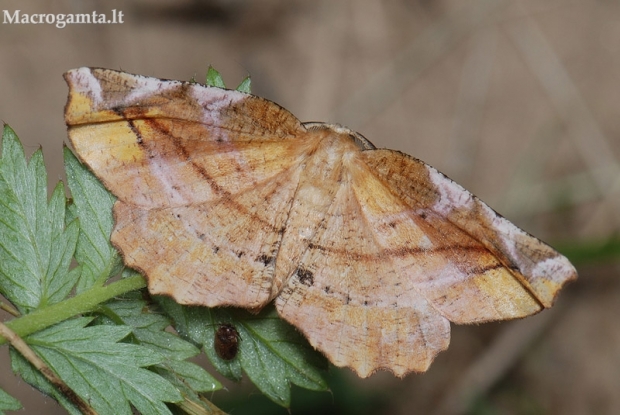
(20,345)
(81,303)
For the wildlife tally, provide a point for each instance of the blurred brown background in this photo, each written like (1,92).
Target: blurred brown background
(516,100)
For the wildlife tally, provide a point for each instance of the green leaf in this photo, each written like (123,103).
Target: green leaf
(245,85)
(8,403)
(36,246)
(32,376)
(148,328)
(105,372)
(214,78)
(271,352)
(189,376)
(278,354)
(191,380)
(92,203)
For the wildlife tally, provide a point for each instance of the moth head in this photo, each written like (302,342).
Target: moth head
(360,141)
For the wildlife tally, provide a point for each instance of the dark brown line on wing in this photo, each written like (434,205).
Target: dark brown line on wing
(225,196)
(398,252)
(137,132)
(483,270)
(118,111)
(152,122)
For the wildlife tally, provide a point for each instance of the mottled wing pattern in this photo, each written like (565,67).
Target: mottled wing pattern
(165,143)
(389,267)
(226,199)
(523,267)
(193,168)
(349,294)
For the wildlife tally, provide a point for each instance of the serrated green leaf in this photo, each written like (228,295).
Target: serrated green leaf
(271,352)
(8,403)
(35,245)
(189,376)
(33,377)
(92,203)
(245,85)
(148,328)
(278,355)
(214,78)
(63,244)
(103,371)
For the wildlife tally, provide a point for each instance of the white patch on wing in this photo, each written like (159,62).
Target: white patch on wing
(212,100)
(557,268)
(507,231)
(85,83)
(451,195)
(167,176)
(425,242)
(447,276)
(146,86)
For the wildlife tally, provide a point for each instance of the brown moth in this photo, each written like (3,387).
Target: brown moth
(227,199)
(226,341)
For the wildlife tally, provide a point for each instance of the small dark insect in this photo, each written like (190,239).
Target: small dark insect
(227,341)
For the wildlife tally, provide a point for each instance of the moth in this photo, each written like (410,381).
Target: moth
(227,199)
(226,341)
